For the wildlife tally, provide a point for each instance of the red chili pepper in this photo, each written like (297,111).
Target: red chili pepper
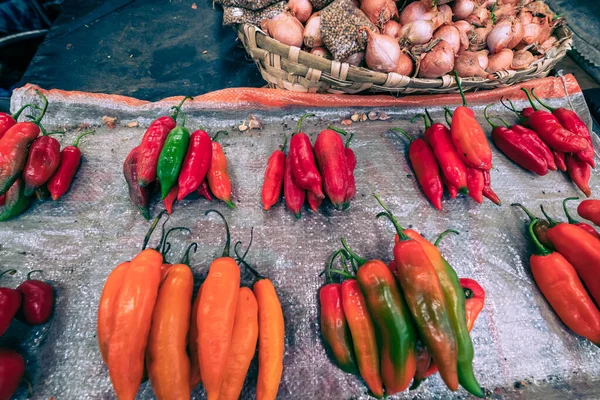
(152,144)
(313,201)
(579,172)
(590,210)
(440,140)
(294,195)
(331,159)
(195,164)
(204,191)
(2,199)
(426,168)
(571,121)
(552,132)
(273,181)
(541,227)
(517,148)
(487,189)
(304,165)
(70,159)
(12,368)
(536,143)
(452,190)
(475,183)
(218,175)
(43,160)
(559,159)
(523,115)
(170,199)
(140,196)
(351,164)
(38,301)
(13,152)
(586,227)
(7,121)
(468,136)
(10,302)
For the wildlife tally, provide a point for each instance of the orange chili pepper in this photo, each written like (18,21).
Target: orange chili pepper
(166,354)
(218,176)
(243,345)
(216,316)
(195,375)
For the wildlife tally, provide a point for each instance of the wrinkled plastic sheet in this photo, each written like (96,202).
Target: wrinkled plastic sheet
(522,349)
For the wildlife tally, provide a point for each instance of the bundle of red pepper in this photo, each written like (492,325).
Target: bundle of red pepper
(311,174)
(31,302)
(403,322)
(147,321)
(566,266)
(547,141)
(31,164)
(180,162)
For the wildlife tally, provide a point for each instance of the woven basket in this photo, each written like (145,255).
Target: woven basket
(290,68)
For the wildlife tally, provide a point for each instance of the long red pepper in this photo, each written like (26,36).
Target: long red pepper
(426,168)
(559,159)
(70,159)
(304,166)
(43,160)
(152,144)
(218,174)
(590,210)
(440,140)
(536,143)
(204,191)
(313,201)
(579,172)
(351,164)
(12,368)
(169,201)
(586,227)
(195,164)
(487,189)
(452,190)
(10,302)
(331,159)
(571,121)
(475,183)
(293,194)
(273,180)
(140,196)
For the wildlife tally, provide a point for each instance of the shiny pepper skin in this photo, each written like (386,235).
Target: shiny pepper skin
(273,179)
(38,301)
(14,147)
(15,202)
(488,192)
(12,368)
(331,158)
(590,210)
(293,194)
(195,164)
(10,302)
(552,132)
(7,121)
(475,183)
(140,196)
(585,226)
(304,166)
(515,147)
(579,172)
(559,159)
(351,164)
(171,158)
(70,160)
(470,140)
(536,143)
(218,174)
(43,160)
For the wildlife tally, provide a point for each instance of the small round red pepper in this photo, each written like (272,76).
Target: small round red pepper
(43,160)
(10,302)
(70,159)
(12,368)
(273,180)
(38,300)
(304,165)
(195,164)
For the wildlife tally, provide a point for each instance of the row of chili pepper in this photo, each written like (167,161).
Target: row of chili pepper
(544,141)
(180,162)
(311,174)
(146,318)
(31,302)
(403,322)
(31,164)
(566,266)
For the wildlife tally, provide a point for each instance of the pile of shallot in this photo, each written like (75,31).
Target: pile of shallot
(429,38)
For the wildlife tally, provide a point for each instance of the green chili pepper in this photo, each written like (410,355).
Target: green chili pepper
(16,201)
(172,155)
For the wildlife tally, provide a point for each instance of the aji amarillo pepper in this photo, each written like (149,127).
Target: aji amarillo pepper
(70,160)
(112,288)
(243,345)
(331,159)
(195,374)
(195,164)
(304,166)
(426,168)
(586,227)
(541,228)
(452,167)
(15,201)
(218,175)
(590,210)
(426,302)
(152,145)
(557,279)
(42,162)
(216,316)
(468,136)
(12,369)
(396,335)
(10,302)
(293,194)
(139,196)
(475,183)
(171,157)
(579,172)
(167,360)
(273,180)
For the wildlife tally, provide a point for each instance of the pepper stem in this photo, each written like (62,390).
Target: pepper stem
(338,130)
(302,118)
(426,121)
(249,244)
(460,88)
(162,246)
(76,143)
(44,108)
(551,109)
(31,272)
(214,139)
(569,218)
(529,98)
(443,234)
(429,116)
(389,215)
(550,220)
(448,116)
(403,132)
(349,140)
(9,271)
(153,227)
(177,108)
(227,234)
(327,271)
(468,293)
(361,261)
(17,114)
(542,251)
(186,257)
(522,207)
(284,142)
(244,262)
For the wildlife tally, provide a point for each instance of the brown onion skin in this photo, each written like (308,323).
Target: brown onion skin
(382,52)
(483,58)
(392,29)
(416,12)
(522,59)
(438,62)
(321,52)
(500,61)
(467,65)
(301,9)
(444,16)
(286,29)
(312,31)
(379,11)
(463,8)
(500,36)
(517,33)
(451,35)
(417,32)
